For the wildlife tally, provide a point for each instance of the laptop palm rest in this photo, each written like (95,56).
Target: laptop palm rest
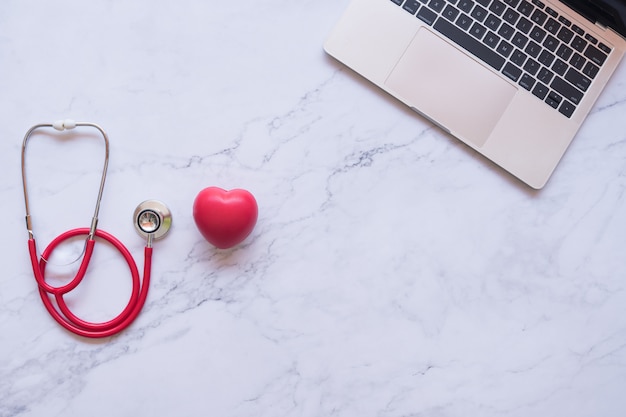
(426,78)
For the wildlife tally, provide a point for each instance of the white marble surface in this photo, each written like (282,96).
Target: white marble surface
(392,272)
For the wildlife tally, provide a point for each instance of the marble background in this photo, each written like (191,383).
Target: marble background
(392,272)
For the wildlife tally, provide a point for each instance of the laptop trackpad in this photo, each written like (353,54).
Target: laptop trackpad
(449,87)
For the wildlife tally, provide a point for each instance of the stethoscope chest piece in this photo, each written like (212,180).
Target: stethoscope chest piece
(152,219)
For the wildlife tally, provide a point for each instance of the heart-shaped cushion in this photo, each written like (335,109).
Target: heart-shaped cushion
(225,218)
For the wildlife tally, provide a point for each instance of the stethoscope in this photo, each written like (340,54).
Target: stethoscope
(152,220)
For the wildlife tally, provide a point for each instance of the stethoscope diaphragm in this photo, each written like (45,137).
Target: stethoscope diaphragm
(152,218)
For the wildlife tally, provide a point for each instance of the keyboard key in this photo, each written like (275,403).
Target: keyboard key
(540,91)
(565,35)
(511,71)
(519,40)
(545,75)
(579,44)
(510,16)
(552,26)
(560,67)
(497,7)
(426,15)
(551,43)
(533,49)
(591,39)
(539,17)
(483,2)
(465,5)
(464,21)
(553,99)
(539,4)
(590,70)
(524,25)
(518,58)
(564,52)
(532,67)
(567,90)
(551,12)
(578,30)
(567,109)
(506,31)
(604,48)
(595,55)
(479,13)
(470,44)
(437,5)
(577,61)
(491,39)
(398,2)
(477,30)
(450,13)
(579,80)
(537,34)
(411,6)
(527,82)
(525,8)
(505,49)
(546,58)
(564,21)
(492,22)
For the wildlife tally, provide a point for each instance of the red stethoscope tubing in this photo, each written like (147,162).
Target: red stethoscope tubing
(63,315)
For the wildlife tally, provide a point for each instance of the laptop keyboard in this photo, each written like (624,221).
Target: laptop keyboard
(528,42)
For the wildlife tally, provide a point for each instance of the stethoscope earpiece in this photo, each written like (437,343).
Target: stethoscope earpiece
(152,219)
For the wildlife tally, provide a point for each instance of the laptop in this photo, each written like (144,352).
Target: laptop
(512,79)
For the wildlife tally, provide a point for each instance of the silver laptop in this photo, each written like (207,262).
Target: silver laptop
(513,79)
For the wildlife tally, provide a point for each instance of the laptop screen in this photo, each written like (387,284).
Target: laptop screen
(611,13)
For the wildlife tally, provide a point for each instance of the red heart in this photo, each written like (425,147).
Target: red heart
(225,218)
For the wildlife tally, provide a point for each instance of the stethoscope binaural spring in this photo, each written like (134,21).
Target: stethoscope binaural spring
(152,220)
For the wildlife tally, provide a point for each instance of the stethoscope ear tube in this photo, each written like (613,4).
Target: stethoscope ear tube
(65,125)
